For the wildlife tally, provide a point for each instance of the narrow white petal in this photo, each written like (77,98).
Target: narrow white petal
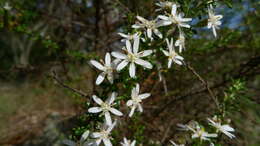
(95,134)
(178,62)
(112,98)
(122,65)
(132,111)
(136,26)
(158,33)
(107,142)
(140,108)
(136,44)
(166,53)
(100,78)
(119,55)
(227,128)
(132,70)
(85,135)
(141,19)
(163,17)
(128,46)
(110,128)
(129,103)
(144,96)
(69,142)
(108,59)
(116,112)
(174,9)
(137,89)
(184,25)
(123,35)
(133,143)
(214,31)
(145,53)
(94,110)
(97,100)
(169,63)
(149,33)
(97,65)
(144,63)
(108,118)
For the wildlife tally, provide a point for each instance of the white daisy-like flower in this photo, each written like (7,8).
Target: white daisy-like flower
(174,144)
(181,42)
(164,5)
(133,57)
(200,133)
(151,26)
(106,68)
(214,20)
(128,142)
(104,134)
(172,55)
(136,99)
(226,129)
(105,107)
(175,18)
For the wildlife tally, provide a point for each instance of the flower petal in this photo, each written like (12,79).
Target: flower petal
(116,112)
(97,65)
(143,63)
(112,98)
(132,111)
(108,118)
(100,78)
(122,65)
(119,55)
(136,44)
(108,59)
(132,70)
(128,46)
(94,110)
(97,100)
(107,142)
(144,96)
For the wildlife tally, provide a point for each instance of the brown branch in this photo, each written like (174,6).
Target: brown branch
(55,77)
(205,83)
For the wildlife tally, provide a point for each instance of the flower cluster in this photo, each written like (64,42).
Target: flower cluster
(133,55)
(199,132)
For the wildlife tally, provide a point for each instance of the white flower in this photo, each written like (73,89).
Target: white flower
(136,99)
(175,18)
(151,26)
(226,129)
(200,133)
(172,55)
(174,144)
(104,134)
(214,20)
(7,7)
(107,69)
(164,5)
(128,142)
(181,42)
(132,57)
(105,107)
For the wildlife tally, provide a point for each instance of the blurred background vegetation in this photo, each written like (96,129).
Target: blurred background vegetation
(39,37)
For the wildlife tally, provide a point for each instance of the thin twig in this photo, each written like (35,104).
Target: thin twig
(205,83)
(55,77)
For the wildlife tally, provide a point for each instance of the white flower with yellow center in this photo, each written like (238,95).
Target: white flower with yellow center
(226,129)
(128,142)
(136,99)
(104,134)
(106,67)
(172,55)
(151,26)
(175,18)
(133,57)
(214,20)
(105,107)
